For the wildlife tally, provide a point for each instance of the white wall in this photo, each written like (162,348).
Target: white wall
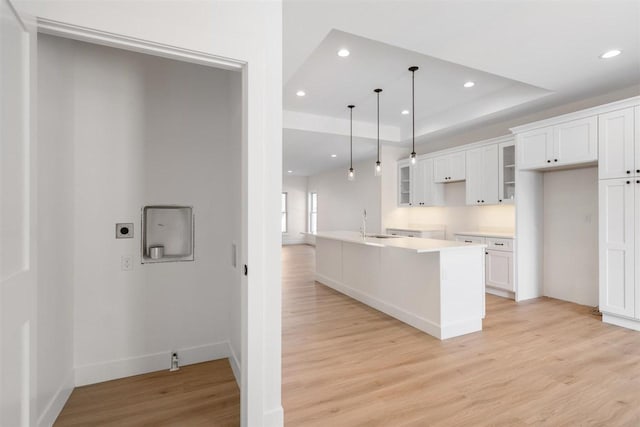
(296,189)
(149,131)
(571,235)
(456,216)
(55,229)
(212,28)
(341,202)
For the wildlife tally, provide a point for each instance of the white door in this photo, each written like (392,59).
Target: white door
(457,166)
(617,282)
(417,179)
(441,169)
(575,141)
(532,148)
(616,144)
(637,140)
(17,222)
(499,270)
(473,184)
(490,169)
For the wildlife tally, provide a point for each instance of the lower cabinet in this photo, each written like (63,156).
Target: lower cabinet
(499,263)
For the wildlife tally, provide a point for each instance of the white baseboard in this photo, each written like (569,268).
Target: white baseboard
(298,240)
(55,405)
(274,417)
(621,321)
(111,370)
(235,365)
(417,322)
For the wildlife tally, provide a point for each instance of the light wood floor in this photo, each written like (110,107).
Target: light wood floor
(543,362)
(205,394)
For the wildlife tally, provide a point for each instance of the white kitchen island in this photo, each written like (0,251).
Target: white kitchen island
(436,286)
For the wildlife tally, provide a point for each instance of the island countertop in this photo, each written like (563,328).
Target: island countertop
(414,244)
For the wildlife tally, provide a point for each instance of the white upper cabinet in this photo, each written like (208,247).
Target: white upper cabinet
(618,202)
(637,138)
(426,192)
(450,167)
(575,142)
(568,143)
(533,147)
(506,172)
(404,183)
(482,176)
(616,143)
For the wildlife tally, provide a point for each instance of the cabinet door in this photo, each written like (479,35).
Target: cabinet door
(417,187)
(575,142)
(404,184)
(637,140)
(617,282)
(616,144)
(490,174)
(457,166)
(637,245)
(441,169)
(499,270)
(532,148)
(473,185)
(433,193)
(506,172)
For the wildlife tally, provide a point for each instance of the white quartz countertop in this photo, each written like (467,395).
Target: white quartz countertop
(415,244)
(420,228)
(499,234)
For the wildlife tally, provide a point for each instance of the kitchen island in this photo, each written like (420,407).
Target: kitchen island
(436,286)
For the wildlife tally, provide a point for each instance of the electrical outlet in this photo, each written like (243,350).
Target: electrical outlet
(126,263)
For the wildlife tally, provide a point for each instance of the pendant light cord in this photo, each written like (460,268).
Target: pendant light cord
(413,110)
(377,91)
(351,138)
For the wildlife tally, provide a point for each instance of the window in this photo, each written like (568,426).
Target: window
(313,212)
(284,212)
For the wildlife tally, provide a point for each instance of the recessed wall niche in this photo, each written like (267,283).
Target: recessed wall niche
(167,234)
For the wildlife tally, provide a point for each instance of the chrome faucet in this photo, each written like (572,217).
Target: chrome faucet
(364,223)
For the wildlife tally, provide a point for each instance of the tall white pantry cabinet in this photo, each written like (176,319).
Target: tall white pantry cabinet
(619,193)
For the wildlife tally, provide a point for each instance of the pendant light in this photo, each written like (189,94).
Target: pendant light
(413,114)
(351,175)
(378,170)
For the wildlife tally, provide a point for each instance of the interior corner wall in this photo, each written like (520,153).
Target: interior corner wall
(571,235)
(341,202)
(296,189)
(149,130)
(55,212)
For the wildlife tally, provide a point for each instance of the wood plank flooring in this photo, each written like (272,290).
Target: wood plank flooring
(205,394)
(543,362)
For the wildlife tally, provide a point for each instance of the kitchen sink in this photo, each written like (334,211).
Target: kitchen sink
(382,236)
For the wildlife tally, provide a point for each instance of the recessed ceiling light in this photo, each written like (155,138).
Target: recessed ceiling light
(301,93)
(334,155)
(405,112)
(343,53)
(611,54)
(289,171)
(469,84)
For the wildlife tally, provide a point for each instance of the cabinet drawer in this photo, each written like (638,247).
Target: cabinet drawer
(496,244)
(469,239)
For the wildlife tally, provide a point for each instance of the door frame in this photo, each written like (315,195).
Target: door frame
(255,357)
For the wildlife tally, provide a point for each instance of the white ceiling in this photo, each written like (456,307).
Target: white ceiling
(517,51)
(308,153)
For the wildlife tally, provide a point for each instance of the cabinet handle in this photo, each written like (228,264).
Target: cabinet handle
(499,244)
(628,172)
(555,160)
(548,161)
(486,253)
(477,201)
(500,200)
(483,201)
(637,170)
(638,181)
(628,182)
(468,241)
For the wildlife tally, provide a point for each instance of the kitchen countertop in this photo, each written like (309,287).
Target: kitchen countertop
(498,234)
(415,244)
